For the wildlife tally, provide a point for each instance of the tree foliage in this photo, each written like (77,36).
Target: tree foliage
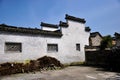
(106,42)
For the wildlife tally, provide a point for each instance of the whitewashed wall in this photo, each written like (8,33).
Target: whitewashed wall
(49,28)
(35,46)
(72,35)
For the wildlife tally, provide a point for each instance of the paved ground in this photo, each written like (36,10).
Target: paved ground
(69,73)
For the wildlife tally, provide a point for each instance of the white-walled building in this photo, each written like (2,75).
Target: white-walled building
(65,41)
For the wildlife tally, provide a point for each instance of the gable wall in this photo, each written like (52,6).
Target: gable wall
(96,40)
(75,34)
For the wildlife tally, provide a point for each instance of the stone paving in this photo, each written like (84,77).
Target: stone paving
(69,73)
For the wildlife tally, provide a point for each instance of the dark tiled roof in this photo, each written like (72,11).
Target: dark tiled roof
(113,38)
(117,35)
(75,18)
(48,25)
(63,24)
(87,29)
(91,47)
(7,28)
(94,34)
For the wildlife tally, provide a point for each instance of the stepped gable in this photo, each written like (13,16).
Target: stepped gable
(63,24)
(75,18)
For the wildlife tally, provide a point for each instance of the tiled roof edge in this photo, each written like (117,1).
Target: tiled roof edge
(93,34)
(87,29)
(48,25)
(7,28)
(63,24)
(75,18)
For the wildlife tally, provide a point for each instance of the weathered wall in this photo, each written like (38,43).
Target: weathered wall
(31,47)
(96,40)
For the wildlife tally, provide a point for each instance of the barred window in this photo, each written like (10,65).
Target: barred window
(78,47)
(52,47)
(13,47)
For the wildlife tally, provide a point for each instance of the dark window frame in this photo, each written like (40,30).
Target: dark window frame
(51,47)
(78,47)
(13,47)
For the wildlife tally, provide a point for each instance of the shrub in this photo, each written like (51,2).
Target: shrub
(106,42)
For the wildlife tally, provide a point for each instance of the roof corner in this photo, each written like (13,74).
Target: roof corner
(63,24)
(81,20)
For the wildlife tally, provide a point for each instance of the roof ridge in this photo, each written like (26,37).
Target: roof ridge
(7,28)
(49,25)
(82,20)
(93,34)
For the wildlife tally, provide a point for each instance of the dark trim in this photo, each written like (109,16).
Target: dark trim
(53,49)
(75,18)
(7,28)
(117,35)
(92,47)
(63,24)
(78,48)
(87,29)
(93,34)
(48,25)
(13,44)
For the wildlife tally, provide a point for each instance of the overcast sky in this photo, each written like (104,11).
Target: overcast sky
(101,15)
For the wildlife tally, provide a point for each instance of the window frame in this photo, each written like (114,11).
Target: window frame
(13,44)
(78,48)
(52,47)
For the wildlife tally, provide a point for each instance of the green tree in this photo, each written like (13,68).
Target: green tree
(106,42)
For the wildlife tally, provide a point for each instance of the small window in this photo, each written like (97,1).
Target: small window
(13,47)
(52,47)
(78,47)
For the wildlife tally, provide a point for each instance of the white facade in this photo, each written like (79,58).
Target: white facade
(35,46)
(49,29)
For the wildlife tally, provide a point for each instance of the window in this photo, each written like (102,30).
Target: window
(13,47)
(78,47)
(52,47)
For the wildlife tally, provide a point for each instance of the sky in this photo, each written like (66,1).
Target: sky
(101,15)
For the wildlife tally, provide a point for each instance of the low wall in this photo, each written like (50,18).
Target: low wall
(97,57)
(107,58)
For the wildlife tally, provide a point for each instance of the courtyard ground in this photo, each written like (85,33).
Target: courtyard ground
(68,73)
